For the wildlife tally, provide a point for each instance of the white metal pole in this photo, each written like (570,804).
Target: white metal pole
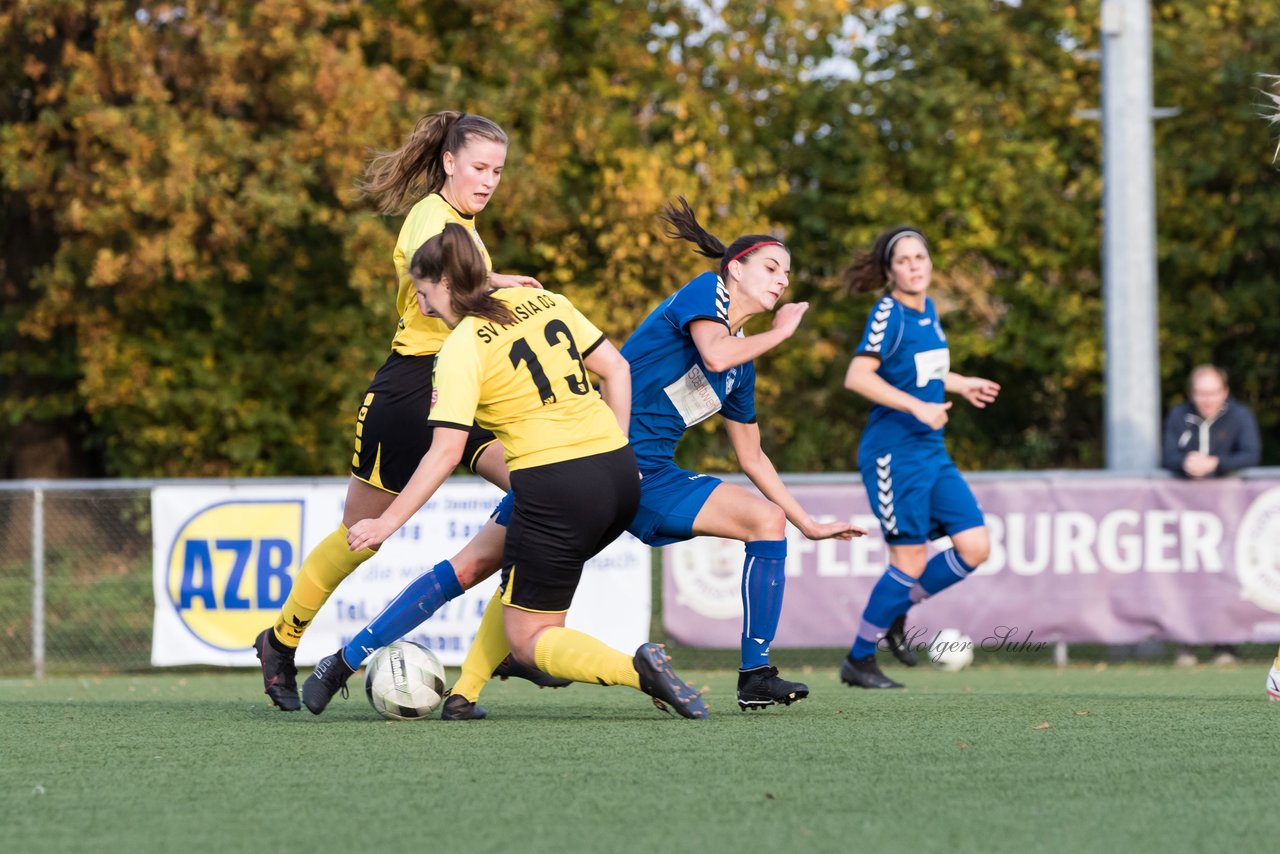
(1129,239)
(37,583)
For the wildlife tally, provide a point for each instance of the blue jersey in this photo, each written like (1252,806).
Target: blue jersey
(913,358)
(671,387)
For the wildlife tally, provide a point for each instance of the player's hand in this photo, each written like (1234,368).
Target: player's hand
(507,280)
(932,415)
(787,319)
(832,531)
(979,391)
(368,534)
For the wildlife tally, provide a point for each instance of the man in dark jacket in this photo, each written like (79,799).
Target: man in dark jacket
(1211,434)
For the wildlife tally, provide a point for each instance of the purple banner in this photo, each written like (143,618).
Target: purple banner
(1073,558)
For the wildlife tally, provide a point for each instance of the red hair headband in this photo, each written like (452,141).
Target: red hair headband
(753,247)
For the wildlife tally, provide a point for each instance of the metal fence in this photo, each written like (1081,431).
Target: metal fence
(76,575)
(76,570)
(75,579)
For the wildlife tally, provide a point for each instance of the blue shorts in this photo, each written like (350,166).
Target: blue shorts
(670,499)
(918,496)
(502,513)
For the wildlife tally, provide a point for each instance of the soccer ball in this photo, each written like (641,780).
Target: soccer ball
(952,649)
(404,681)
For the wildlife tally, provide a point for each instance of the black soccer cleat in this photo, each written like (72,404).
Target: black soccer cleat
(509,667)
(863,673)
(761,686)
(329,677)
(459,708)
(660,682)
(896,639)
(279,675)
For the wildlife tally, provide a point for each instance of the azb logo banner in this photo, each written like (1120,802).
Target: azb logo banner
(224,561)
(225,558)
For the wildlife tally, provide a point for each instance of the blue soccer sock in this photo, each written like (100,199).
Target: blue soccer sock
(890,598)
(943,570)
(422,598)
(763,580)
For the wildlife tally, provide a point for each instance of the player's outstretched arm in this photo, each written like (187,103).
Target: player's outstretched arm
(976,390)
(757,466)
(721,350)
(447,445)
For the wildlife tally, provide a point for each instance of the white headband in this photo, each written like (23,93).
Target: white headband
(888,250)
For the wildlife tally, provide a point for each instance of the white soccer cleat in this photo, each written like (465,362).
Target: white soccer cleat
(1273,683)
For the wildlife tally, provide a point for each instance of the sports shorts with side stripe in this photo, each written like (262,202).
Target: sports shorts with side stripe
(391,427)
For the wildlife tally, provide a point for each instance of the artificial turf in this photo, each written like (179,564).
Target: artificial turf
(997,758)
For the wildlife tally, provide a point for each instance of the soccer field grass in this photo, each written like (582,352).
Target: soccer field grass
(991,759)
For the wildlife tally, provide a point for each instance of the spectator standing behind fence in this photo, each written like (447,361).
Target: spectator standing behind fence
(1209,435)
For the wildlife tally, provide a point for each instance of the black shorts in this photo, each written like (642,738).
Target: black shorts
(565,514)
(391,428)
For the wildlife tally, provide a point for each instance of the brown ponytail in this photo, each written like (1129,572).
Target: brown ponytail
(683,225)
(397,179)
(453,254)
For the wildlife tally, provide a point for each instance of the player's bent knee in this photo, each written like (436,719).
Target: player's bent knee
(770,522)
(975,548)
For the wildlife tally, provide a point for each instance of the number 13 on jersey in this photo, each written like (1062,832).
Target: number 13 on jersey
(560,340)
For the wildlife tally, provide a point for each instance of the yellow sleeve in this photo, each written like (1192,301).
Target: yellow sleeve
(456,380)
(425,221)
(584,331)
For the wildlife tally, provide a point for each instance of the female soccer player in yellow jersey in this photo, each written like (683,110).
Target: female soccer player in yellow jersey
(516,362)
(457,160)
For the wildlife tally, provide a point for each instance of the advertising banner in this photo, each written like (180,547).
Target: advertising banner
(1078,559)
(225,558)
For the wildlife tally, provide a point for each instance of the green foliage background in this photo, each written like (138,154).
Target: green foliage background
(191,285)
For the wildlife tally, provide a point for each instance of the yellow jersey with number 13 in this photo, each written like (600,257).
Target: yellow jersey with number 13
(526,382)
(416,334)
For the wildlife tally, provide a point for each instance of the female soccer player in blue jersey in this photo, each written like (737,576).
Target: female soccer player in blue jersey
(451,165)
(903,366)
(690,360)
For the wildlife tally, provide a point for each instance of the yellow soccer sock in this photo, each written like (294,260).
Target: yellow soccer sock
(322,571)
(1278,659)
(486,653)
(571,654)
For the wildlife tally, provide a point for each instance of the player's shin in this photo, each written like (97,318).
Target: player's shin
(889,599)
(943,570)
(321,572)
(571,654)
(418,601)
(486,653)
(763,582)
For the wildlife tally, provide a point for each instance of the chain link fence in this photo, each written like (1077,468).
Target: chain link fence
(75,578)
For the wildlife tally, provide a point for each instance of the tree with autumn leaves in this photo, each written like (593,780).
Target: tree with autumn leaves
(193,286)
